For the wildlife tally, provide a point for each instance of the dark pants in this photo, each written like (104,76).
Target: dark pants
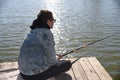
(60,67)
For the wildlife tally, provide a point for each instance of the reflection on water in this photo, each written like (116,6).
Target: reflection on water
(78,22)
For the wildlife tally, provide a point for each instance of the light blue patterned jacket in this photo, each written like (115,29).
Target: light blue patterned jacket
(37,52)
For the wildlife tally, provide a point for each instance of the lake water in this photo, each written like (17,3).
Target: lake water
(78,22)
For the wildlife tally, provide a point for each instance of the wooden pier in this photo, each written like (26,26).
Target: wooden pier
(87,68)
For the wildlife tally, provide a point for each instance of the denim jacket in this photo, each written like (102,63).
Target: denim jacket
(37,52)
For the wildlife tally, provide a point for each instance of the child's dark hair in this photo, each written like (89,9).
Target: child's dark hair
(41,20)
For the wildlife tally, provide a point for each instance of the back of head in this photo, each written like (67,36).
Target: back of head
(41,21)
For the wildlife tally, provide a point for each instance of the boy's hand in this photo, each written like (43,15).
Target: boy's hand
(58,56)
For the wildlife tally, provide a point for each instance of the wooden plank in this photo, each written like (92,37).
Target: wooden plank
(89,71)
(9,75)
(101,72)
(78,71)
(8,65)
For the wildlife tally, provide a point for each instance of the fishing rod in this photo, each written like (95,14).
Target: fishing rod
(84,46)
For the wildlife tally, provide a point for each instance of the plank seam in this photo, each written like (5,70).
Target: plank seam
(83,70)
(74,73)
(94,69)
